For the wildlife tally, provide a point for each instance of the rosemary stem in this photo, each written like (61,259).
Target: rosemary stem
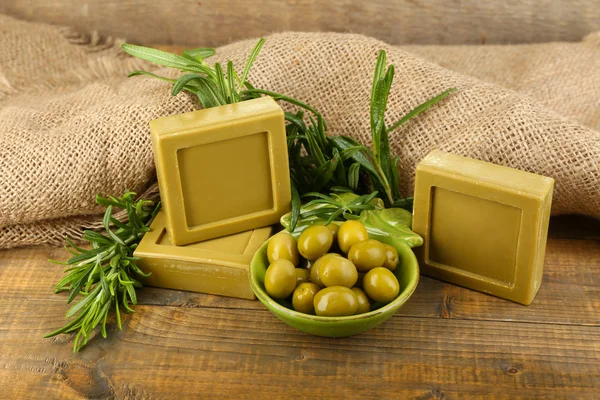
(385,183)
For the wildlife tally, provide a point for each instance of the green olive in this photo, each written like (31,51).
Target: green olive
(350,233)
(381,284)
(302,275)
(391,257)
(314,274)
(334,228)
(335,301)
(283,246)
(335,270)
(303,297)
(315,241)
(363,301)
(367,255)
(280,279)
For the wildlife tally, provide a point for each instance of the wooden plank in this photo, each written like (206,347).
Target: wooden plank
(172,352)
(217,22)
(446,342)
(569,294)
(570,291)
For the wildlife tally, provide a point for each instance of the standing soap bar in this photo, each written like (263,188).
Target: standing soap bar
(219,266)
(484,225)
(222,170)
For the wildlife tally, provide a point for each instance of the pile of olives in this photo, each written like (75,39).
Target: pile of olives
(331,270)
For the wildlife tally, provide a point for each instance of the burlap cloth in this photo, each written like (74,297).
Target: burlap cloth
(72,125)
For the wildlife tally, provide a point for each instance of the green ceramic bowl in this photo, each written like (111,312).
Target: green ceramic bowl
(407,274)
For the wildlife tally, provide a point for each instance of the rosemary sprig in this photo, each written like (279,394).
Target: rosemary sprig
(386,165)
(105,274)
(213,86)
(334,208)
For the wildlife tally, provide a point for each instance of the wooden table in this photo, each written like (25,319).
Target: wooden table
(445,343)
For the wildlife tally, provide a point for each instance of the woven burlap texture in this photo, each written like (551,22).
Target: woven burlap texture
(72,125)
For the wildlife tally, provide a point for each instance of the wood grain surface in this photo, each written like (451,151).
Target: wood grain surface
(445,343)
(217,22)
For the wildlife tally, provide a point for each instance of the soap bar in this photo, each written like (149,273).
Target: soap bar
(484,225)
(222,170)
(218,266)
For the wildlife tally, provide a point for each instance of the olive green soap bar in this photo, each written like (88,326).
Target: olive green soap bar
(484,225)
(222,170)
(218,266)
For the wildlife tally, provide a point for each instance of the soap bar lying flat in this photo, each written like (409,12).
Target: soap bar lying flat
(484,226)
(218,266)
(222,170)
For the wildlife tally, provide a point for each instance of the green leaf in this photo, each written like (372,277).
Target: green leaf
(231,77)
(314,149)
(97,237)
(296,120)
(83,302)
(150,74)
(138,271)
(206,97)
(378,106)
(206,90)
(73,245)
(157,56)
(340,172)
(250,61)
(394,177)
(87,255)
(106,223)
(297,172)
(353,175)
(318,195)
(277,96)
(222,83)
(343,142)
(406,204)
(391,222)
(119,224)
(67,327)
(335,215)
(385,158)
(105,311)
(379,70)
(118,313)
(321,130)
(349,152)
(183,81)
(125,303)
(324,173)
(421,108)
(199,54)
(296,204)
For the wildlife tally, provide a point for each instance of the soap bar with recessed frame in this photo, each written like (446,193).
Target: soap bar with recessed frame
(218,266)
(484,225)
(222,170)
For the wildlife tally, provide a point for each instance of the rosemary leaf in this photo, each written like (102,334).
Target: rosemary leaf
(296,203)
(159,57)
(250,61)
(135,73)
(419,109)
(199,54)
